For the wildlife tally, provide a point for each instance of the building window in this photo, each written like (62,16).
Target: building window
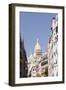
(56,29)
(56,52)
(56,39)
(57,74)
(52,67)
(52,55)
(45,58)
(33,69)
(53,74)
(43,63)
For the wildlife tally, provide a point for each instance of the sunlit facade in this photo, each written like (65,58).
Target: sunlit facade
(37,62)
(53,49)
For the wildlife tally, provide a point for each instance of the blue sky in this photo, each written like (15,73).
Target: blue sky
(35,25)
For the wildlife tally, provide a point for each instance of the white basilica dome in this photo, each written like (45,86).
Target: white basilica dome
(37,49)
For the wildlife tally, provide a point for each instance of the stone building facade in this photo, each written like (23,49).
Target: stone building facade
(53,49)
(23,60)
(38,62)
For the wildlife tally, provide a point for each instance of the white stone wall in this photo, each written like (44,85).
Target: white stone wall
(53,49)
(35,67)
